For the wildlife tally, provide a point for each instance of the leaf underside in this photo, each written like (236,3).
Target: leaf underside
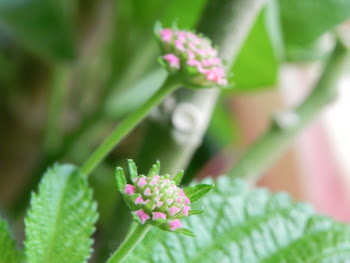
(249,226)
(61,218)
(8,250)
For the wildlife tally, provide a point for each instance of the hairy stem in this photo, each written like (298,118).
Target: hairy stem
(130,243)
(277,138)
(128,125)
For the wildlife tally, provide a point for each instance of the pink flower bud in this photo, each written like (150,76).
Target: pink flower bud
(174,210)
(166,34)
(157,215)
(175,224)
(172,60)
(139,200)
(129,189)
(142,215)
(186,209)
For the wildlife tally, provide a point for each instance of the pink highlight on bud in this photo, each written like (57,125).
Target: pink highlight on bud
(185,210)
(146,202)
(142,215)
(167,181)
(181,36)
(190,54)
(129,189)
(157,215)
(160,203)
(179,200)
(156,190)
(180,46)
(216,74)
(187,201)
(147,191)
(170,201)
(174,210)
(175,224)
(181,192)
(156,177)
(166,34)
(139,200)
(154,182)
(142,182)
(172,60)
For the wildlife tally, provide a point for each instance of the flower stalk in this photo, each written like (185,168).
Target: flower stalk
(128,124)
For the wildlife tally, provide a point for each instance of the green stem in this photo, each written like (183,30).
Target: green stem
(278,138)
(128,125)
(130,243)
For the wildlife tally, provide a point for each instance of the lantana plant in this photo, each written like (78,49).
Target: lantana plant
(157,199)
(191,57)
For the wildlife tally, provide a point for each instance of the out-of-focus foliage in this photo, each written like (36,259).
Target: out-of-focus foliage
(40,26)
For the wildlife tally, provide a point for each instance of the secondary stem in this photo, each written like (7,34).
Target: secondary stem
(275,141)
(128,125)
(130,243)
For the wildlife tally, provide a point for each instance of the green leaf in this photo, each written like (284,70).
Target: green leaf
(256,65)
(8,249)
(185,232)
(155,170)
(178,177)
(61,218)
(194,212)
(40,26)
(132,169)
(303,21)
(243,226)
(194,193)
(120,178)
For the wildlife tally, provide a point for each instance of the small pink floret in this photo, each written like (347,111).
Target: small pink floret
(172,60)
(156,177)
(187,201)
(129,189)
(142,182)
(166,34)
(142,215)
(179,200)
(175,224)
(147,191)
(160,203)
(174,210)
(157,215)
(186,209)
(179,46)
(170,201)
(138,200)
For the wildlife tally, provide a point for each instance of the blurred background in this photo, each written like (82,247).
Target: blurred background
(71,70)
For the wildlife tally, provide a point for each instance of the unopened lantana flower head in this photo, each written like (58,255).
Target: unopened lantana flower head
(191,57)
(156,199)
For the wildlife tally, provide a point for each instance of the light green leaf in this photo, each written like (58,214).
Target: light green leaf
(120,178)
(40,26)
(61,218)
(256,65)
(132,169)
(155,170)
(194,193)
(8,250)
(178,177)
(303,21)
(185,232)
(240,225)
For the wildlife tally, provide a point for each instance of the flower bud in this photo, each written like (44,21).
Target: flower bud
(158,201)
(192,57)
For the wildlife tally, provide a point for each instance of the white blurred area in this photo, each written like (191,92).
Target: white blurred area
(337,125)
